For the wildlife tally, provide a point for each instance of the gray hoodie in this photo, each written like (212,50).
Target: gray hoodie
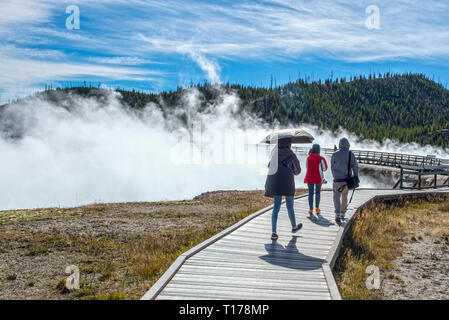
(339,161)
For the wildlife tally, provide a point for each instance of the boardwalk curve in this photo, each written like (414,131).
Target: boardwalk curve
(242,262)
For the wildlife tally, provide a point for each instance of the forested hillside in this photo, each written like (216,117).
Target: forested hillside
(403,107)
(407,108)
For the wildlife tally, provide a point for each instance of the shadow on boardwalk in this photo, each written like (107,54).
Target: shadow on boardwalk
(321,221)
(290,257)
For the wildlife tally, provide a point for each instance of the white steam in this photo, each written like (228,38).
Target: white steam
(210,68)
(97,153)
(103,152)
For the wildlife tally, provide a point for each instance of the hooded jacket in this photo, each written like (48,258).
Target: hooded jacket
(339,161)
(281,174)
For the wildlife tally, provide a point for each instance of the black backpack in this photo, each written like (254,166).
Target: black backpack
(352,182)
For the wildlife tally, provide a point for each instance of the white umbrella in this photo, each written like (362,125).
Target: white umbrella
(296,135)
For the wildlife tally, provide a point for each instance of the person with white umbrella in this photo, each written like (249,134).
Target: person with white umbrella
(283,167)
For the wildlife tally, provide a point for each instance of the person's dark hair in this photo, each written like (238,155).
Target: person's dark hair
(285,143)
(316,148)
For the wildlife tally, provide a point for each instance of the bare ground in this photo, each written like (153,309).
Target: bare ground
(409,242)
(421,271)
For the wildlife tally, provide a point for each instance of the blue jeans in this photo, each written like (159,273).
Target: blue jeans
(277,207)
(317,197)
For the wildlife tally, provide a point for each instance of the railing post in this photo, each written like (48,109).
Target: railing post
(419,179)
(401,178)
(435,182)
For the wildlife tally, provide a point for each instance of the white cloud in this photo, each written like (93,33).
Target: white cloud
(290,29)
(27,53)
(209,67)
(20,75)
(251,29)
(13,12)
(134,32)
(130,61)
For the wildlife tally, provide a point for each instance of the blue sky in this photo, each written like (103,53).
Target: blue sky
(158,45)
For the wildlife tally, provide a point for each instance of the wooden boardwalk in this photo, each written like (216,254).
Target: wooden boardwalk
(242,262)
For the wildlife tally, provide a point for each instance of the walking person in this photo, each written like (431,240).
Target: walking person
(316,165)
(343,165)
(283,167)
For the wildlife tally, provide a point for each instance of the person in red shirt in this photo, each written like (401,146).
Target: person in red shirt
(315,165)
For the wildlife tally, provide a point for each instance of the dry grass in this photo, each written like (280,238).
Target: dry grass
(121,249)
(376,237)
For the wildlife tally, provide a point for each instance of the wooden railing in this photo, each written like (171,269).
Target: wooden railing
(420,172)
(386,159)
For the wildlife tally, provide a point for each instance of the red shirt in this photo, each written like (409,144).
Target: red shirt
(313,175)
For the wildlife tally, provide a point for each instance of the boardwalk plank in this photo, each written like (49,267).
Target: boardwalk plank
(266,293)
(244,268)
(233,262)
(263,240)
(302,255)
(284,285)
(230,296)
(216,279)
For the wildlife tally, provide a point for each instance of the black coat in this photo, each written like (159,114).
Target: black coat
(281,182)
